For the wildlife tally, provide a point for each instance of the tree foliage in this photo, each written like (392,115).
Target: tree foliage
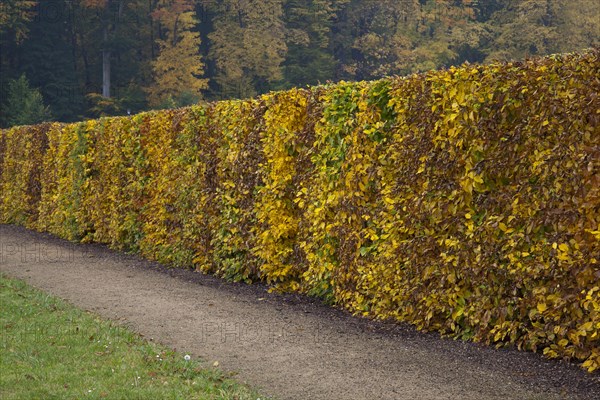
(163,53)
(308,38)
(247,46)
(15,16)
(178,67)
(23,105)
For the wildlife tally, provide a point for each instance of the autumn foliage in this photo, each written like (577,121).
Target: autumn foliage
(465,201)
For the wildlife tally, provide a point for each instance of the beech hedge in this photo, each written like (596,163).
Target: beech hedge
(465,201)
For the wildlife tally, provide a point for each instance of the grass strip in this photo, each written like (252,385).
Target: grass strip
(52,350)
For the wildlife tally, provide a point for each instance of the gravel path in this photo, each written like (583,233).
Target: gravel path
(290,346)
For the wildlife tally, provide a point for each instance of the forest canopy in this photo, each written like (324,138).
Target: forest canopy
(89,58)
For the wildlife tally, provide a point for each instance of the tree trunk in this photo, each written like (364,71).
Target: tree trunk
(106,66)
(106,52)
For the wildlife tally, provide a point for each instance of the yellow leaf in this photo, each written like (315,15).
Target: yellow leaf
(587,326)
(541,307)
(564,247)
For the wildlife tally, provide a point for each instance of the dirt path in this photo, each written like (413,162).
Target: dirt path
(290,346)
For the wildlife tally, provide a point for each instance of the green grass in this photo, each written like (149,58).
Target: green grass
(52,350)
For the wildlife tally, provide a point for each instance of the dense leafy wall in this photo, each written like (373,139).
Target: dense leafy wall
(465,201)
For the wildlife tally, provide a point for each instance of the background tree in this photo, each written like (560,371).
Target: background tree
(523,28)
(247,46)
(448,31)
(15,16)
(110,14)
(48,59)
(578,24)
(15,21)
(23,105)
(388,37)
(115,45)
(178,67)
(371,37)
(309,58)
(104,57)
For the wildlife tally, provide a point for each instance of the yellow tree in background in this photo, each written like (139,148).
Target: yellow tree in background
(14,16)
(388,37)
(178,69)
(247,45)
